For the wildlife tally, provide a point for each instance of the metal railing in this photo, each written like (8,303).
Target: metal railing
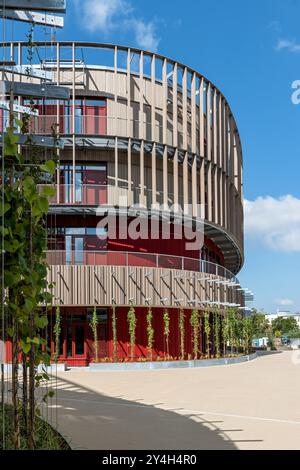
(93,125)
(111,195)
(136,259)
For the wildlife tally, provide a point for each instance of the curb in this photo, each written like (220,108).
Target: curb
(137,366)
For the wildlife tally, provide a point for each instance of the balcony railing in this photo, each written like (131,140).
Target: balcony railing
(122,258)
(94,125)
(111,195)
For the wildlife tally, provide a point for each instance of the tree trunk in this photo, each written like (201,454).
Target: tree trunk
(25,394)
(15,384)
(31,417)
(31,430)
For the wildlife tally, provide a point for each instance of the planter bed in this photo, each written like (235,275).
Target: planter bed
(127,366)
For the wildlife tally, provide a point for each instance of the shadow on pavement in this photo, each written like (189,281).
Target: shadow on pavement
(99,422)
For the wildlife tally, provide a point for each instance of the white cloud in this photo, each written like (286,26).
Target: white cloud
(274,222)
(109,16)
(291,46)
(285,302)
(145,34)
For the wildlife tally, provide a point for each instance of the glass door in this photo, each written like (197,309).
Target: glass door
(78,250)
(75,245)
(78,339)
(75,339)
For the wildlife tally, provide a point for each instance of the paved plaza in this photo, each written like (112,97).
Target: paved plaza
(249,406)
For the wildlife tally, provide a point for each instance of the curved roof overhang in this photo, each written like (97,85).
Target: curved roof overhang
(233,257)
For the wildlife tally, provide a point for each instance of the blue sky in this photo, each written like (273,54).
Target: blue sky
(251,50)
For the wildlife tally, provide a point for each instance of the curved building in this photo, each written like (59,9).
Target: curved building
(152,158)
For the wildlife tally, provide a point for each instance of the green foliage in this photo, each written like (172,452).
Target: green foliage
(181,332)
(207,331)
(248,333)
(57,332)
(114,332)
(150,333)
(195,324)
(131,319)
(260,326)
(46,437)
(232,328)
(25,270)
(217,332)
(287,327)
(166,318)
(94,328)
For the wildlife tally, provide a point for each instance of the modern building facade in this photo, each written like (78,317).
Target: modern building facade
(148,142)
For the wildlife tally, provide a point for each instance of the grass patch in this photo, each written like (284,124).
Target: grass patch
(47,438)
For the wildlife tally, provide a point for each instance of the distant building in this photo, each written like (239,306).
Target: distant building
(260,342)
(283,314)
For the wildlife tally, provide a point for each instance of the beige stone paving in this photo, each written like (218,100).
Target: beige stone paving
(249,406)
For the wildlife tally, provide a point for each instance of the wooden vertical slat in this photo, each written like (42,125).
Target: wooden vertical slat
(165,101)
(220,133)
(185,183)
(175,105)
(175,176)
(175,133)
(129,123)
(116,133)
(165,176)
(184,108)
(141,84)
(58,122)
(214,127)
(129,172)
(194,186)
(153,96)
(73,123)
(202,187)
(194,146)
(142,174)
(208,151)
(201,118)
(153,174)
(208,121)
(193,114)
(116,163)
(215,195)
(201,148)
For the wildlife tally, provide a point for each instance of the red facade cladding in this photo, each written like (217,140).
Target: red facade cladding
(159,345)
(105,337)
(160,246)
(90,119)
